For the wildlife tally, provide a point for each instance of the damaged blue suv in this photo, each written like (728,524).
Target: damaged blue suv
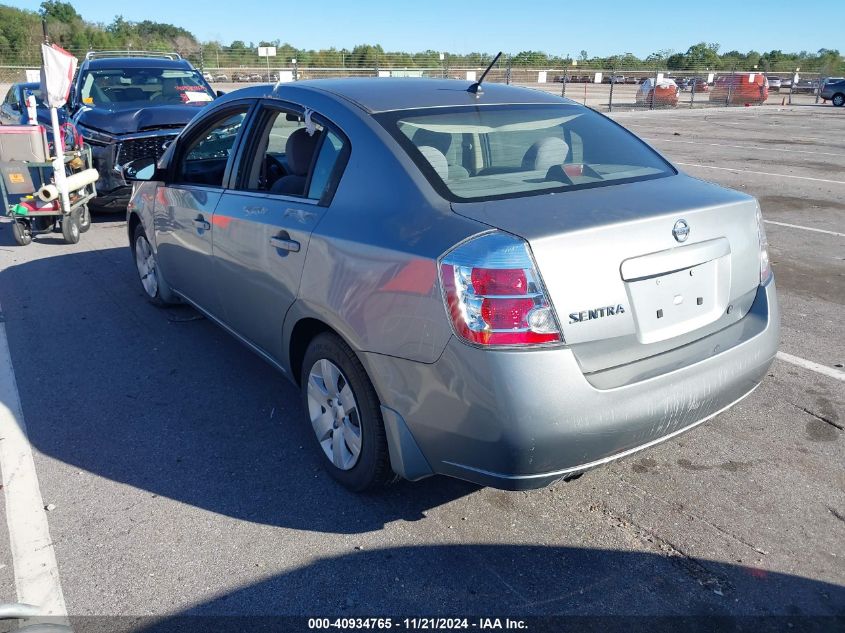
(129,108)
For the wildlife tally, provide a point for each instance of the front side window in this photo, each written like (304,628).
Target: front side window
(111,87)
(490,152)
(206,156)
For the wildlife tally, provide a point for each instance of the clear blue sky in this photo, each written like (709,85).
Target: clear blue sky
(558,27)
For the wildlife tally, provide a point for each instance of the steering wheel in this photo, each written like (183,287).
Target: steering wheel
(271,171)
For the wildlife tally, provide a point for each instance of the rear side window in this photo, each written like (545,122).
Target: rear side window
(492,152)
(325,164)
(289,158)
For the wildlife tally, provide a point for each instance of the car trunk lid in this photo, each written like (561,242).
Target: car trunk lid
(623,286)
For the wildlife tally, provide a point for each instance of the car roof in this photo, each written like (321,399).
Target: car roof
(135,62)
(384,94)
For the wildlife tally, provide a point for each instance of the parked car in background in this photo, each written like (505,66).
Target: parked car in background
(221,78)
(740,88)
(13,110)
(699,84)
(834,91)
(806,86)
(479,332)
(786,82)
(661,94)
(775,83)
(129,109)
(208,77)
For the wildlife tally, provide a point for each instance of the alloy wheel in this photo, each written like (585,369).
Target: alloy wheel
(334,414)
(146,264)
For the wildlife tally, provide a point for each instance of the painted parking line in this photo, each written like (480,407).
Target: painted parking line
(805,228)
(33,559)
(808,364)
(762,173)
(754,147)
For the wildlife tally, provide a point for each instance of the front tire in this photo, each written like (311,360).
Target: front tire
(344,413)
(155,288)
(838,100)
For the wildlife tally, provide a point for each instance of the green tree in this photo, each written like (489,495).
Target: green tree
(59,11)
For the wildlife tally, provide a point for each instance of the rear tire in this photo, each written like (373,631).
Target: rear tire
(838,100)
(22,233)
(344,412)
(70,228)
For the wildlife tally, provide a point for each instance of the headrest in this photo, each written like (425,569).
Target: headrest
(544,153)
(437,160)
(299,150)
(438,140)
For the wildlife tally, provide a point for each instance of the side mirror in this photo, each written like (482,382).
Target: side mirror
(140,169)
(220,93)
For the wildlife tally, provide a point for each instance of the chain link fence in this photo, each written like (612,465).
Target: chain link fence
(622,86)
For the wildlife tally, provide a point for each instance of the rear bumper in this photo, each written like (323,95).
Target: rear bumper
(520,420)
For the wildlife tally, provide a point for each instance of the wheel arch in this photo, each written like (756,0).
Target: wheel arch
(302,333)
(134,221)
(407,460)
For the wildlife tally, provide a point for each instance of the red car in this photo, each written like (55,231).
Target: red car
(741,88)
(663,94)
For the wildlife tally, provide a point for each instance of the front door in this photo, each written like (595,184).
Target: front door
(185,207)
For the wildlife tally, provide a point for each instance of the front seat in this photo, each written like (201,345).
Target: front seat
(299,151)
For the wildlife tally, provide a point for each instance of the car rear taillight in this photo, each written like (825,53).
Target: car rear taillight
(765,265)
(494,295)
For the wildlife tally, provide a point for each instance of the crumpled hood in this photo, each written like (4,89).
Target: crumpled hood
(131,120)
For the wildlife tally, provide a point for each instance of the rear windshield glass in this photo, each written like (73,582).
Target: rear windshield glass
(138,86)
(491,152)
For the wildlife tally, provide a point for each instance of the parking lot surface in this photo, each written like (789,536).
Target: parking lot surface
(183,480)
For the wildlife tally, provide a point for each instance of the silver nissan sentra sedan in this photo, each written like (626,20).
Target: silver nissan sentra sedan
(502,286)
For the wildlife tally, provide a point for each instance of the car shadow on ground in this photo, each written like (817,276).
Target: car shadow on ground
(165,401)
(602,590)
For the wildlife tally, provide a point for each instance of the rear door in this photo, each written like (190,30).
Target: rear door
(262,234)
(185,206)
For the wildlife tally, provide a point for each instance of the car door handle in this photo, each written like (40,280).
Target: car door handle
(200,223)
(285,244)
